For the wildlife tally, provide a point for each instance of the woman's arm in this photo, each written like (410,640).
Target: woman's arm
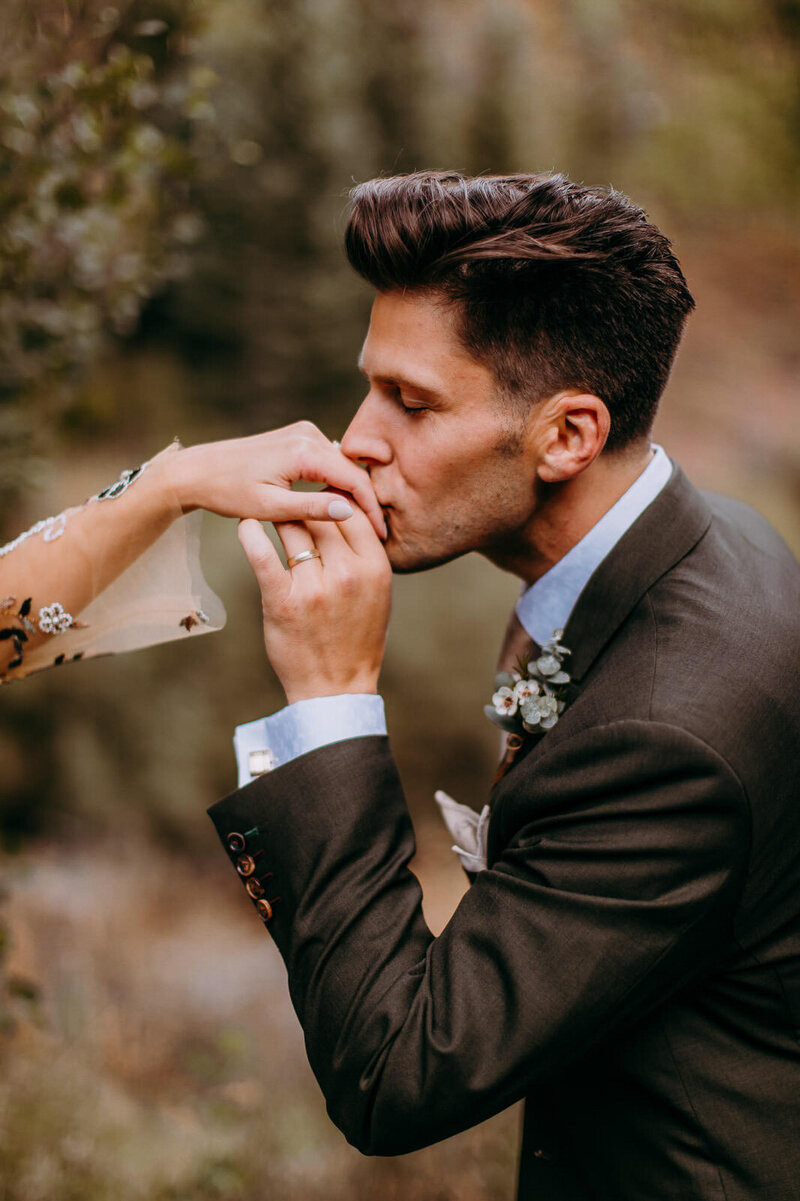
(50,574)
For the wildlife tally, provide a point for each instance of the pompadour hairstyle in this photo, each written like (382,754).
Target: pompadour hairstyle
(557,285)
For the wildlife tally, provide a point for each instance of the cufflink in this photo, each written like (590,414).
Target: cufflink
(260,762)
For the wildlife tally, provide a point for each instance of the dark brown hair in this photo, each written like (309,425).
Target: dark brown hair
(557,285)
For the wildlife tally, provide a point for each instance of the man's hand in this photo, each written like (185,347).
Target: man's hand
(325,619)
(252,477)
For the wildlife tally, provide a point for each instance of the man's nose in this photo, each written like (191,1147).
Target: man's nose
(363,440)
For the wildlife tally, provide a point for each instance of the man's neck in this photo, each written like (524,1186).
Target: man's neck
(566,512)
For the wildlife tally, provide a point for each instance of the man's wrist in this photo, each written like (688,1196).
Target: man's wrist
(317,691)
(306,726)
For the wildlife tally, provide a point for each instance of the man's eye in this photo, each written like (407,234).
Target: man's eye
(411,408)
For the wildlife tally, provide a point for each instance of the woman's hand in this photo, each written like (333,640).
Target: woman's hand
(253,477)
(325,619)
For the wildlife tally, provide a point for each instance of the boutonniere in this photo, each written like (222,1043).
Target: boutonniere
(532,697)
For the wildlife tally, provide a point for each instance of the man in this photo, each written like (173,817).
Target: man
(628,960)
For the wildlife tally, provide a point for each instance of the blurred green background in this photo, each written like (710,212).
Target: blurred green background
(173,181)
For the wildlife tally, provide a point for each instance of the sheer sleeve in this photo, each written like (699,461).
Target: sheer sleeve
(107,576)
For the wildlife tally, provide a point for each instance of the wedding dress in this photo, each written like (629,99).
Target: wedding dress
(160,596)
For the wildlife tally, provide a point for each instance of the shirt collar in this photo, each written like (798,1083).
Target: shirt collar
(546,605)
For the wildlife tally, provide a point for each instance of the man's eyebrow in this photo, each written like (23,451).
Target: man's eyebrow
(401,381)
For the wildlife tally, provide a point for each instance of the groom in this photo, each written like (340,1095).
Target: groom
(628,956)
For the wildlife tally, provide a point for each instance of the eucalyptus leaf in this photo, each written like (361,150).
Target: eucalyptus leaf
(504,723)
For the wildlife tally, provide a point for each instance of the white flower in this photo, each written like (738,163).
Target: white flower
(524,689)
(505,702)
(536,701)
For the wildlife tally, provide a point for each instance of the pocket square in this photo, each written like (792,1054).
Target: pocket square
(467,828)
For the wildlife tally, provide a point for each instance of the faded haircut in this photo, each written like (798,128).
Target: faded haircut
(556,285)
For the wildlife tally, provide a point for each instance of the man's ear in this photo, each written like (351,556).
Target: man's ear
(571,430)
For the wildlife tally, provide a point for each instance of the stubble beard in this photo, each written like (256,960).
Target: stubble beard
(410,559)
(497,541)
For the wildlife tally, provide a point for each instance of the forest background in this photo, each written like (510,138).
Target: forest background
(173,178)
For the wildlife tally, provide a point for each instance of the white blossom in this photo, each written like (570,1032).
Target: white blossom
(526,688)
(505,702)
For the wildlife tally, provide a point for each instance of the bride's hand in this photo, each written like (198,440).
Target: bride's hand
(252,477)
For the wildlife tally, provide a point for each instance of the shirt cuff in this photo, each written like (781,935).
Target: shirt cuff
(305,726)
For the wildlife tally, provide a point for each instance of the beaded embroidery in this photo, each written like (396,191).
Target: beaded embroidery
(54,618)
(53,527)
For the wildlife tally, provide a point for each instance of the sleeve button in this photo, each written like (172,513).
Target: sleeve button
(255,887)
(236,842)
(246,864)
(264,909)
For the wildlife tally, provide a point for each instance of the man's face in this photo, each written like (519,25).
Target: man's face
(446,457)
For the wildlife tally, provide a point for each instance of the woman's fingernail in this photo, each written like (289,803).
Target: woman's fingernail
(340,510)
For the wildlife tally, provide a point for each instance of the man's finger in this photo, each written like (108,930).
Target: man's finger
(265,561)
(328,538)
(297,540)
(359,535)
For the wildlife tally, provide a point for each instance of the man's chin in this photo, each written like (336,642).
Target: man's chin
(407,560)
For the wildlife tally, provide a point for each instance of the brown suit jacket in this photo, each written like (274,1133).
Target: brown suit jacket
(630,961)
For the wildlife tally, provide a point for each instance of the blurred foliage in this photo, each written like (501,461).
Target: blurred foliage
(101,148)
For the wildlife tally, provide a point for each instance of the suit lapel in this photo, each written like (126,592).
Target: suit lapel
(664,534)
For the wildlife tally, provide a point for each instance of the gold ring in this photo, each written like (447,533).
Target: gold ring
(303,557)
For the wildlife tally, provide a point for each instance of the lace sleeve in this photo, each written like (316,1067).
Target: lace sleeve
(74,597)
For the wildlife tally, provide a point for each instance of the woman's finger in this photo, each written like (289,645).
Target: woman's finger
(276,504)
(326,464)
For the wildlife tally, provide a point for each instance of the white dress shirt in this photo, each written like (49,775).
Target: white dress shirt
(542,608)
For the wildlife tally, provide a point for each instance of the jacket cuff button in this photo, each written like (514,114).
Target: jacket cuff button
(255,887)
(236,842)
(264,909)
(246,864)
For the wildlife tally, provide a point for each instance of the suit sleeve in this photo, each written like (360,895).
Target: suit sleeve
(621,856)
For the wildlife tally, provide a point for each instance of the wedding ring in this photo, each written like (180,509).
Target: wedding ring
(303,557)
